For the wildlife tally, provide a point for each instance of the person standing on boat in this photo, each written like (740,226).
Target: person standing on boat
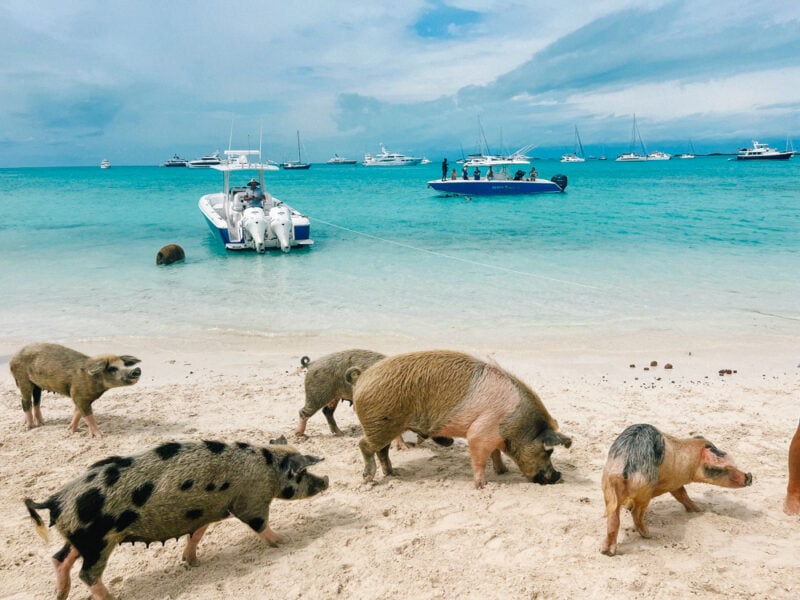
(476,174)
(533,174)
(490,174)
(464,172)
(254,196)
(444,169)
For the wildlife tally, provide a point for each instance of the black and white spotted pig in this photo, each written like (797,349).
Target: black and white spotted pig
(173,489)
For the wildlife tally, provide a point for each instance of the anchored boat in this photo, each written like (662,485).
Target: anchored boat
(244,216)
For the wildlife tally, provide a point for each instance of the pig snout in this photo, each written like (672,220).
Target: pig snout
(135,373)
(546,477)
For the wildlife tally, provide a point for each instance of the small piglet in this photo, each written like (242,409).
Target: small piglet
(56,368)
(171,490)
(444,394)
(328,380)
(644,463)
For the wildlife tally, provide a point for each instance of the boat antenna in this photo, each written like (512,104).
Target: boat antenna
(230,136)
(260,140)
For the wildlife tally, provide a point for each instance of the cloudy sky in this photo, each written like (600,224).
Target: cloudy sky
(139,81)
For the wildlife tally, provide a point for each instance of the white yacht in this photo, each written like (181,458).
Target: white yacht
(389,159)
(205,162)
(578,155)
(105,163)
(761,151)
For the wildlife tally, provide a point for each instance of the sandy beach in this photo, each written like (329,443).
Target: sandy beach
(428,533)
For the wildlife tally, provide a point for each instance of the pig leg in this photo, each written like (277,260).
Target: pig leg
(63,561)
(611,493)
(92,570)
(792,504)
(369,460)
(272,538)
(681,496)
(301,425)
(99,591)
(328,411)
(26,389)
(497,462)
(638,511)
(386,464)
(84,410)
(190,552)
(37,406)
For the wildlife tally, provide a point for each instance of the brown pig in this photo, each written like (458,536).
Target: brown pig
(58,369)
(644,463)
(328,380)
(174,489)
(791,505)
(447,394)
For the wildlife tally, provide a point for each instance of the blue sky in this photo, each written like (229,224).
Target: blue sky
(136,82)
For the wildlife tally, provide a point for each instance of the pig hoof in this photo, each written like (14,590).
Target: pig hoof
(611,551)
(792,506)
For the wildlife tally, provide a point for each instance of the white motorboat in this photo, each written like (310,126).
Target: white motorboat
(339,160)
(175,161)
(578,155)
(205,162)
(105,163)
(761,151)
(246,221)
(657,155)
(390,159)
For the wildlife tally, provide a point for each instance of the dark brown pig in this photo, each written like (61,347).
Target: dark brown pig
(58,369)
(444,394)
(644,463)
(328,380)
(171,490)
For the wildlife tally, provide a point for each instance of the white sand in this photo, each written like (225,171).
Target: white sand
(428,533)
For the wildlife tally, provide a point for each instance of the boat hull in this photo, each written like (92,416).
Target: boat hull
(502,187)
(772,156)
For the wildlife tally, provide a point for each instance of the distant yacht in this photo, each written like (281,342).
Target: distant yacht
(175,161)
(658,156)
(205,162)
(689,154)
(390,159)
(105,163)
(761,151)
(339,160)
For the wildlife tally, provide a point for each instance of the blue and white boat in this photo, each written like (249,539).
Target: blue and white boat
(243,221)
(499,184)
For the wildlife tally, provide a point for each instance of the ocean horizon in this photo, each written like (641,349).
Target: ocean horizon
(681,248)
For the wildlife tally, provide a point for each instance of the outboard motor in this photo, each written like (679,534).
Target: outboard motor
(560,181)
(255,224)
(280,225)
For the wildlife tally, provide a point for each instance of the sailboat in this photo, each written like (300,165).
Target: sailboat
(689,154)
(632,156)
(578,155)
(296,164)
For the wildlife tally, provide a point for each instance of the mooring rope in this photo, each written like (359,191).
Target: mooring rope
(456,258)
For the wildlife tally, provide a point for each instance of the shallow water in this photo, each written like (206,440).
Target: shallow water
(687,246)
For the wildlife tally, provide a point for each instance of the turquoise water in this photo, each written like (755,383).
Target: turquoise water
(685,246)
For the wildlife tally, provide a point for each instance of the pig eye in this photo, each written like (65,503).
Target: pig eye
(548,452)
(112,369)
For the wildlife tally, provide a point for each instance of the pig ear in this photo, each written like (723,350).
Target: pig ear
(552,438)
(311,460)
(713,455)
(352,374)
(129,361)
(299,463)
(96,365)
